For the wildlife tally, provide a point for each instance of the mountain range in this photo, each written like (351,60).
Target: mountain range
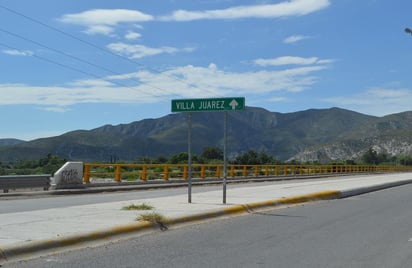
(322,135)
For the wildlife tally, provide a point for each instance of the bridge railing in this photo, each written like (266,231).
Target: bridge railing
(144,172)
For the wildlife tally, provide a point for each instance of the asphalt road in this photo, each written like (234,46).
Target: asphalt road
(371,230)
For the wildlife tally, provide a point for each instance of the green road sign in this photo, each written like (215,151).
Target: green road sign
(208,105)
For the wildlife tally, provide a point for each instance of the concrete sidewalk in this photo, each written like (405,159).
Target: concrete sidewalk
(23,233)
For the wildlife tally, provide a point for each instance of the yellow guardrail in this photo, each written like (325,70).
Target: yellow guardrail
(133,172)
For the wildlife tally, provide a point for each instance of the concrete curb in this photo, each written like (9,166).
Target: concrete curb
(368,189)
(19,251)
(247,208)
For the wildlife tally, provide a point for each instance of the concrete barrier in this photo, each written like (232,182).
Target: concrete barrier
(69,176)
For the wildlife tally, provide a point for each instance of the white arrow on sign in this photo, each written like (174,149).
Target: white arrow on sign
(233,103)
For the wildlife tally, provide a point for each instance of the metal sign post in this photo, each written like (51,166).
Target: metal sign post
(207,105)
(189,162)
(224,158)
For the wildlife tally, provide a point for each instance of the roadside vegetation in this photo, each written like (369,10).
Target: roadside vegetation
(47,165)
(154,217)
(210,155)
(143,206)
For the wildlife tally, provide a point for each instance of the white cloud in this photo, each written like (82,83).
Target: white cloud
(15,52)
(195,82)
(294,39)
(186,81)
(376,101)
(277,99)
(389,93)
(99,29)
(102,21)
(132,35)
(290,60)
(140,51)
(49,96)
(91,83)
(105,17)
(206,81)
(327,61)
(56,109)
(283,9)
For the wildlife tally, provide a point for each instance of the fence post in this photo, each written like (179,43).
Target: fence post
(285,170)
(218,171)
(166,173)
(86,175)
(185,172)
(118,175)
(202,171)
(144,173)
(232,171)
(245,171)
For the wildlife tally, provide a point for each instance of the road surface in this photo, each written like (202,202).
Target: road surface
(371,230)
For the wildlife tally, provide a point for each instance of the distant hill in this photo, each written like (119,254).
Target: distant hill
(8,142)
(390,134)
(311,135)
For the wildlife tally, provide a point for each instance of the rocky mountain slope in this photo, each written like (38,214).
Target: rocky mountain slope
(311,135)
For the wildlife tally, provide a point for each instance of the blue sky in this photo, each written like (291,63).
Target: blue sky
(68,65)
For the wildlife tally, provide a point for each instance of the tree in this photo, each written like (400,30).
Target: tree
(51,163)
(372,157)
(350,162)
(266,159)
(382,158)
(248,158)
(161,159)
(2,169)
(145,160)
(211,153)
(253,158)
(182,158)
(405,160)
